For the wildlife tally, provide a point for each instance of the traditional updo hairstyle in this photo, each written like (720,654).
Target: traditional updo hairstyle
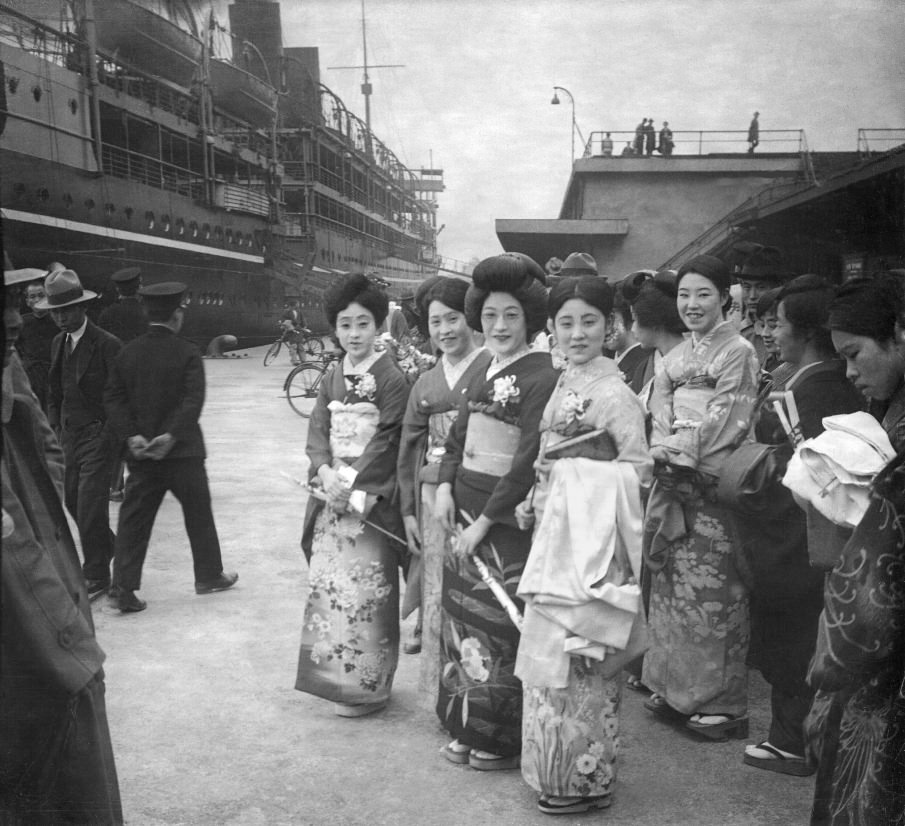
(866,307)
(654,305)
(713,269)
(448,291)
(355,287)
(590,288)
(806,305)
(513,273)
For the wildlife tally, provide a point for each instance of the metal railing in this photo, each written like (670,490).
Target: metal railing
(877,141)
(133,166)
(147,89)
(17,29)
(700,142)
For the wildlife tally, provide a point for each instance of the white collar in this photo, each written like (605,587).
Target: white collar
(362,366)
(497,365)
(454,372)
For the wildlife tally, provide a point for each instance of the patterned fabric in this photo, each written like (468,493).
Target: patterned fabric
(698,619)
(570,736)
(350,636)
(702,405)
(856,727)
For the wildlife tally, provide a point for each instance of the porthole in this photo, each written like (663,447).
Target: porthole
(206,232)
(229,236)
(180,227)
(149,220)
(193,228)
(128,211)
(12,84)
(67,201)
(73,105)
(218,234)
(44,195)
(109,209)
(37,92)
(19,189)
(165,223)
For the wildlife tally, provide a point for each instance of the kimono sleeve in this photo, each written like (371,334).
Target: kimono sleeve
(415,426)
(318,447)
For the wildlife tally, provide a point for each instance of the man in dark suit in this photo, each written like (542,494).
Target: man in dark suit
(56,760)
(127,318)
(80,362)
(154,400)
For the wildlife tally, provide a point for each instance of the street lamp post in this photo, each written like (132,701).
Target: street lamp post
(575,128)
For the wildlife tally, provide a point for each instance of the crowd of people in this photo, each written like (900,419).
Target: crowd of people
(586,484)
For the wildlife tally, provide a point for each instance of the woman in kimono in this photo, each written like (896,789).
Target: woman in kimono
(856,727)
(786,590)
(432,408)
(350,636)
(580,584)
(701,407)
(486,471)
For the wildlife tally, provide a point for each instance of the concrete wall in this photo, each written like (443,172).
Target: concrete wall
(667,203)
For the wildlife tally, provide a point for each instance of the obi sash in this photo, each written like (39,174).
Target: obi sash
(490,445)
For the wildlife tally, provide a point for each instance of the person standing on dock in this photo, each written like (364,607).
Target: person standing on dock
(753,134)
(127,318)
(666,141)
(81,359)
(154,400)
(639,137)
(606,145)
(650,137)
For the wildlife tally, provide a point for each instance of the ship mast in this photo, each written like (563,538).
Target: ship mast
(366,87)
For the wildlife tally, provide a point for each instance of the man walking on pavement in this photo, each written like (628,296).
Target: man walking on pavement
(154,400)
(81,357)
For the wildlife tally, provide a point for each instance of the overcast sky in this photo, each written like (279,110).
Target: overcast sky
(474,96)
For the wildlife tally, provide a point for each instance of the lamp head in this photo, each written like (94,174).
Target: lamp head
(555,100)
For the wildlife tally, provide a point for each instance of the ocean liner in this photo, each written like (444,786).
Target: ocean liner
(140,134)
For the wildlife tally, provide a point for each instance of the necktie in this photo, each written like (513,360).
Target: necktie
(68,345)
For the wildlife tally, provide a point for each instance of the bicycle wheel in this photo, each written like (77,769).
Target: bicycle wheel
(312,346)
(272,352)
(301,388)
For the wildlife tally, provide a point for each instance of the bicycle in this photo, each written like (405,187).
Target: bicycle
(303,382)
(304,341)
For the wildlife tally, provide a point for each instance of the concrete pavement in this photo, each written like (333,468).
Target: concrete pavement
(208,730)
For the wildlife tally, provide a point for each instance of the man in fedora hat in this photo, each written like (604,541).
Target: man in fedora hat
(57,763)
(81,358)
(154,400)
(127,318)
(578,263)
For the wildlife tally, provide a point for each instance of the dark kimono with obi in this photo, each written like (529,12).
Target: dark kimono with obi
(490,454)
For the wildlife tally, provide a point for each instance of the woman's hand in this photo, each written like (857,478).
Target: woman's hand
(524,515)
(412,534)
(445,507)
(467,541)
(660,454)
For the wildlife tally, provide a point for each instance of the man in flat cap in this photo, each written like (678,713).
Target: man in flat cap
(761,270)
(154,400)
(80,362)
(56,760)
(127,318)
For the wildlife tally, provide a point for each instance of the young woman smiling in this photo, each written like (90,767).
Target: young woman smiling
(432,408)
(701,407)
(487,469)
(350,636)
(581,576)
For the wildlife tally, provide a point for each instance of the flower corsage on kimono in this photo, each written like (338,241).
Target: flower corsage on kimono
(410,360)
(502,401)
(571,437)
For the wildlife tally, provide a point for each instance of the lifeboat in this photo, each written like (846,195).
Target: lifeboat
(164,44)
(242,94)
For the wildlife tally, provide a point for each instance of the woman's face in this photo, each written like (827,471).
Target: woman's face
(768,327)
(874,367)
(356,331)
(580,330)
(645,335)
(700,303)
(449,332)
(503,323)
(790,342)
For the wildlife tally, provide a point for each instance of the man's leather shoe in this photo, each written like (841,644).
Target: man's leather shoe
(126,601)
(96,588)
(221,583)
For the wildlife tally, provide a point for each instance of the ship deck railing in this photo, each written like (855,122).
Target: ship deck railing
(148,89)
(30,35)
(133,166)
(704,142)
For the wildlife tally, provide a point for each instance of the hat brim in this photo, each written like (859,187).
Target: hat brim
(23,276)
(87,295)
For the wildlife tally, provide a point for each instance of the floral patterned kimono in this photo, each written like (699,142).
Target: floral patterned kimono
(350,635)
(432,408)
(580,583)
(489,457)
(701,407)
